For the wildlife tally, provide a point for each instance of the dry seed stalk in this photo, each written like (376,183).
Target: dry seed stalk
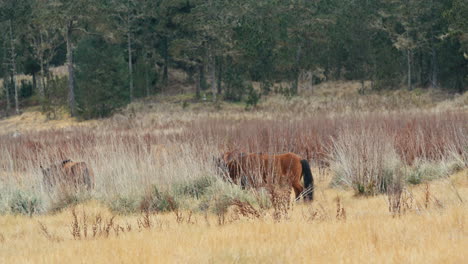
(75,226)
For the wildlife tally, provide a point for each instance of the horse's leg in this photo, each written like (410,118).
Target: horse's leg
(243,182)
(297,188)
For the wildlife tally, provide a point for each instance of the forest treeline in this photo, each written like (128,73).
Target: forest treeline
(118,50)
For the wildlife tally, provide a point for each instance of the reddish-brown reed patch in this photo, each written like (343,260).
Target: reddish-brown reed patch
(426,135)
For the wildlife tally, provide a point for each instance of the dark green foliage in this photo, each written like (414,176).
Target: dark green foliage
(101,78)
(26,89)
(234,83)
(55,96)
(253,97)
(393,44)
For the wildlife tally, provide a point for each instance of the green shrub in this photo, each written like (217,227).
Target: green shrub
(68,199)
(156,201)
(219,196)
(221,204)
(124,204)
(414,177)
(424,170)
(194,187)
(26,204)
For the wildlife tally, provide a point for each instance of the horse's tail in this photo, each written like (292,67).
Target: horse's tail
(308,180)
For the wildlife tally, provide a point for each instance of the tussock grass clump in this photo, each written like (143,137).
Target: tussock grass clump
(366,160)
(220,196)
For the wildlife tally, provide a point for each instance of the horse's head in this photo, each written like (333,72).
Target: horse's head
(47,176)
(220,165)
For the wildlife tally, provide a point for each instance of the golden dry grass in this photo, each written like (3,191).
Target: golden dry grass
(312,234)
(32,120)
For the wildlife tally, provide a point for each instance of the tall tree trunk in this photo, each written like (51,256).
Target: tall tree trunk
(295,86)
(374,72)
(130,66)
(146,77)
(312,80)
(198,83)
(71,74)
(42,84)
(13,69)
(7,92)
(165,76)
(5,77)
(34,81)
(419,71)
(202,76)
(220,75)
(213,77)
(408,64)
(434,67)
(157,74)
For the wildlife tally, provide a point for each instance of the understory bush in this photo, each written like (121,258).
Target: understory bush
(25,203)
(221,194)
(423,170)
(125,204)
(65,199)
(195,188)
(158,201)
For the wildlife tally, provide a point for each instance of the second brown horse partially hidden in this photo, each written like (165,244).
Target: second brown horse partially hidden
(259,168)
(68,174)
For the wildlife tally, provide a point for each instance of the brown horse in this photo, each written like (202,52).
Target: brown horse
(69,174)
(259,168)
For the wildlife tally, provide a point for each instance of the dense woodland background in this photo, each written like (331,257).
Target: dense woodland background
(116,51)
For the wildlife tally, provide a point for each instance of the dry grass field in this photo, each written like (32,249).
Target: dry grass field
(431,230)
(391,185)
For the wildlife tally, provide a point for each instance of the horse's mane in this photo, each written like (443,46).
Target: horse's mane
(66,161)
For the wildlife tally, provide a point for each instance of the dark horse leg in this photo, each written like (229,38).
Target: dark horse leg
(244,182)
(308,179)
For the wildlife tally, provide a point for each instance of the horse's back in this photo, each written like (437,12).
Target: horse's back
(79,173)
(289,162)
